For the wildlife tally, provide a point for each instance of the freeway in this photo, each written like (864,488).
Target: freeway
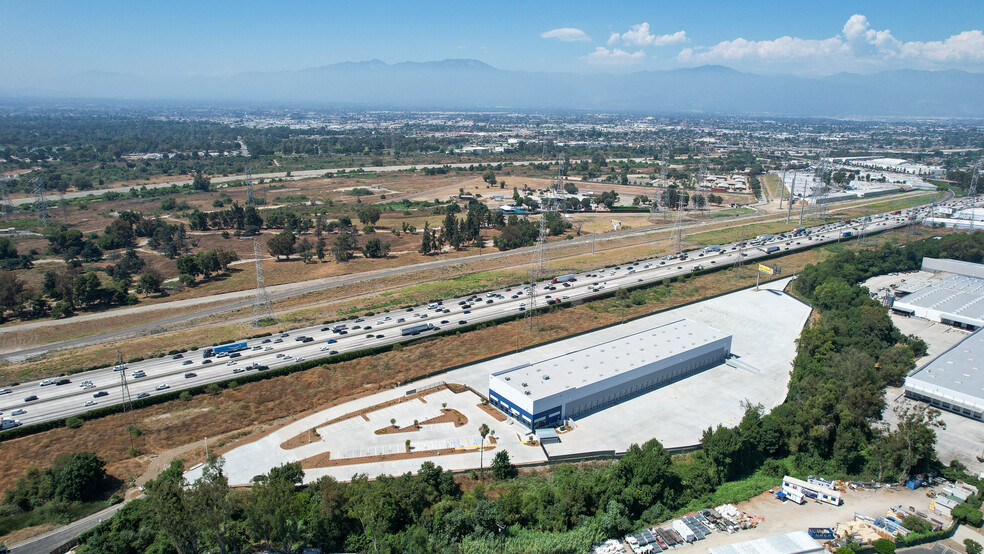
(39,401)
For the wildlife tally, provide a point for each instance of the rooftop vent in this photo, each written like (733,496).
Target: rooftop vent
(508,378)
(525,385)
(528,393)
(546,377)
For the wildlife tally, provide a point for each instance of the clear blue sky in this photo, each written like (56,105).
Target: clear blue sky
(46,39)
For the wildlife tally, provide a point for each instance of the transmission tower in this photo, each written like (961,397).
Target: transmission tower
(127,399)
(972,193)
(5,207)
(678,229)
(261,301)
(40,204)
(864,225)
(537,270)
(740,259)
(249,187)
(664,168)
(782,183)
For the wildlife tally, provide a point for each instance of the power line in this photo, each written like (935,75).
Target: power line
(127,399)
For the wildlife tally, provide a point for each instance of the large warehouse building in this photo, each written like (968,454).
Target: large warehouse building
(957,300)
(566,386)
(954,380)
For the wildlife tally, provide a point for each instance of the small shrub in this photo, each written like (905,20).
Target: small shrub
(134,431)
(133,452)
(185,396)
(73,422)
(212,389)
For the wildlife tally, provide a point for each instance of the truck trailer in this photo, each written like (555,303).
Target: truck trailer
(234,347)
(771,249)
(563,279)
(416,329)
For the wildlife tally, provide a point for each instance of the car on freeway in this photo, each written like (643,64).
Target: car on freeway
(163,387)
(267,341)
(444,322)
(61,382)
(299,359)
(31,398)
(204,362)
(325,348)
(333,352)
(187,362)
(143,395)
(231,363)
(343,332)
(235,355)
(367,328)
(462,322)
(47,382)
(522,309)
(330,341)
(380,336)
(190,375)
(370,335)
(466,312)
(5,391)
(409,309)
(90,403)
(177,356)
(278,341)
(18,411)
(100,394)
(359,320)
(308,339)
(238,370)
(268,348)
(280,355)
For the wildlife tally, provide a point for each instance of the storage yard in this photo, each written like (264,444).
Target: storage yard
(765,524)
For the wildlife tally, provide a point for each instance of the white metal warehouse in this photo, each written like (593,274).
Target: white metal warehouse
(953,381)
(957,300)
(582,381)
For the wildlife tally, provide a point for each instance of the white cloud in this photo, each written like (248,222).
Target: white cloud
(615,56)
(966,46)
(567,34)
(782,48)
(639,35)
(858,45)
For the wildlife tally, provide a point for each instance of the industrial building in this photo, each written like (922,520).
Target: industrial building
(953,381)
(797,542)
(945,265)
(957,300)
(583,381)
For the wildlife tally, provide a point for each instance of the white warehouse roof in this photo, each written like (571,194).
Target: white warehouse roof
(609,359)
(956,298)
(955,376)
(797,542)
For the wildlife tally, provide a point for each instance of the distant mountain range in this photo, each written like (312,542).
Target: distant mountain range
(471,84)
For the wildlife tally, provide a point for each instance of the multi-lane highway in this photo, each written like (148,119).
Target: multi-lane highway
(102,387)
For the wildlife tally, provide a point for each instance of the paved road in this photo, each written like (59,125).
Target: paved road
(194,369)
(48,542)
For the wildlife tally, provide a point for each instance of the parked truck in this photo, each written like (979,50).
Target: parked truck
(234,347)
(563,279)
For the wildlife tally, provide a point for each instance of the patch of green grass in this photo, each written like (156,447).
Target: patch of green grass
(730,212)
(443,288)
(732,492)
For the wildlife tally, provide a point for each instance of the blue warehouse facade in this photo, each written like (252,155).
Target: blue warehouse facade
(577,383)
